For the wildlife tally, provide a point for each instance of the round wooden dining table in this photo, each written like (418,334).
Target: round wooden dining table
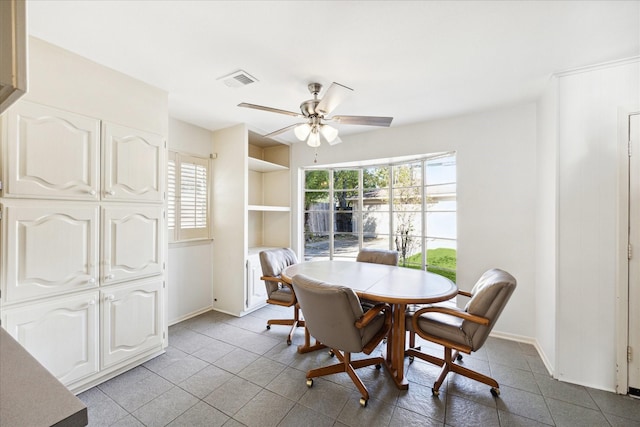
(397,286)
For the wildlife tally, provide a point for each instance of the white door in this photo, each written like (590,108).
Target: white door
(634,262)
(42,138)
(62,334)
(133,164)
(132,242)
(50,250)
(131,320)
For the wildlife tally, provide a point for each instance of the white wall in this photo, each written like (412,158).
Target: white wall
(64,80)
(189,265)
(496,155)
(546,225)
(588,255)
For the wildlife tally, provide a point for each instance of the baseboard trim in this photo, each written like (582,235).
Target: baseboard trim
(190,315)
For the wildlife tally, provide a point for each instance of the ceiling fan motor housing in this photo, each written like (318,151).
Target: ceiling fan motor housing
(308,108)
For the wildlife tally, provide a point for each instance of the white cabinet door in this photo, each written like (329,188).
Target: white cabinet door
(255,288)
(50,250)
(131,320)
(61,333)
(133,164)
(51,153)
(132,242)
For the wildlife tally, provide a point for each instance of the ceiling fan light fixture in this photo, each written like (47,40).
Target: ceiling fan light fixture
(329,133)
(302,131)
(314,138)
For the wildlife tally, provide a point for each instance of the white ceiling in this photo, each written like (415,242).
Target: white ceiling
(413,60)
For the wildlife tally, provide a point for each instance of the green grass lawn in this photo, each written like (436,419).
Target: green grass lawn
(441,261)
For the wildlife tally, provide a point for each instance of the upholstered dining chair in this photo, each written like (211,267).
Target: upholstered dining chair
(463,330)
(378,256)
(273,261)
(334,316)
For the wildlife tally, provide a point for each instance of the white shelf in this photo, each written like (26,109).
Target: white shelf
(262,166)
(265,208)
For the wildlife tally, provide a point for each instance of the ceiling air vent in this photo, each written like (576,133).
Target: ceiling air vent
(238,79)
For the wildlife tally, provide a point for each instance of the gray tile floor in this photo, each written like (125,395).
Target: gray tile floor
(221,370)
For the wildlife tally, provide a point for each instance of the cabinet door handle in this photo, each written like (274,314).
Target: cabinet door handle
(110,276)
(110,297)
(92,280)
(92,302)
(110,192)
(92,192)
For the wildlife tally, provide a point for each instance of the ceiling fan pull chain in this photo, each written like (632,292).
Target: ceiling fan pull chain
(315,157)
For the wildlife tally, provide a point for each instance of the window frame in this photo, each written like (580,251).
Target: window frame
(175,197)
(421,187)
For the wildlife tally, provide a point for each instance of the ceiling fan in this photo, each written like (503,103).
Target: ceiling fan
(316,111)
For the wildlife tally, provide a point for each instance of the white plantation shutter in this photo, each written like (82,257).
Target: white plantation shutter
(189,206)
(171,189)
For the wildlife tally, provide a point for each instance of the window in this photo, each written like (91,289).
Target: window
(188,205)
(409,207)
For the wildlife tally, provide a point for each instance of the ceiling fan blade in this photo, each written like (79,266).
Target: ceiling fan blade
(332,98)
(273,110)
(337,140)
(283,130)
(363,120)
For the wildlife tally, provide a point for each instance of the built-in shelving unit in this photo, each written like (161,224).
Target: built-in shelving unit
(265,180)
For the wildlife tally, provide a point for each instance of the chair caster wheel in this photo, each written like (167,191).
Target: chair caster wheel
(459,357)
(288,342)
(268,326)
(495,391)
(331,353)
(378,366)
(363,402)
(411,359)
(435,392)
(309,382)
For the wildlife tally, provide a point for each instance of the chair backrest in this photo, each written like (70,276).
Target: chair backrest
(378,256)
(489,297)
(330,312)
(273,261)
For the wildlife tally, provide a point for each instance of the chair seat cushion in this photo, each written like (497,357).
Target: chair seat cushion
(441,325)
(283,294)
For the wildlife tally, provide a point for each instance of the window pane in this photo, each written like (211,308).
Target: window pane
(375,223)
(316,246)
(316,180)
(407,199)
(441,224)
(375,177)
(407,175)
(442,257)
(316,200)
(441,170)
(441,197)
(380,241)
(345,179)
(407,223)
(345,245)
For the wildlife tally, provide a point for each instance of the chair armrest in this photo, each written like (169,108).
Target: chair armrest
(452,312)
(279,280)
(372,313)
(464,293)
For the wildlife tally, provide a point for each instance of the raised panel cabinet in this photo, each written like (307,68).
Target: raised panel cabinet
(60,333)
(54,249)
(42,138)
(256,290)
(131,320)
(133,164)
(132,242)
